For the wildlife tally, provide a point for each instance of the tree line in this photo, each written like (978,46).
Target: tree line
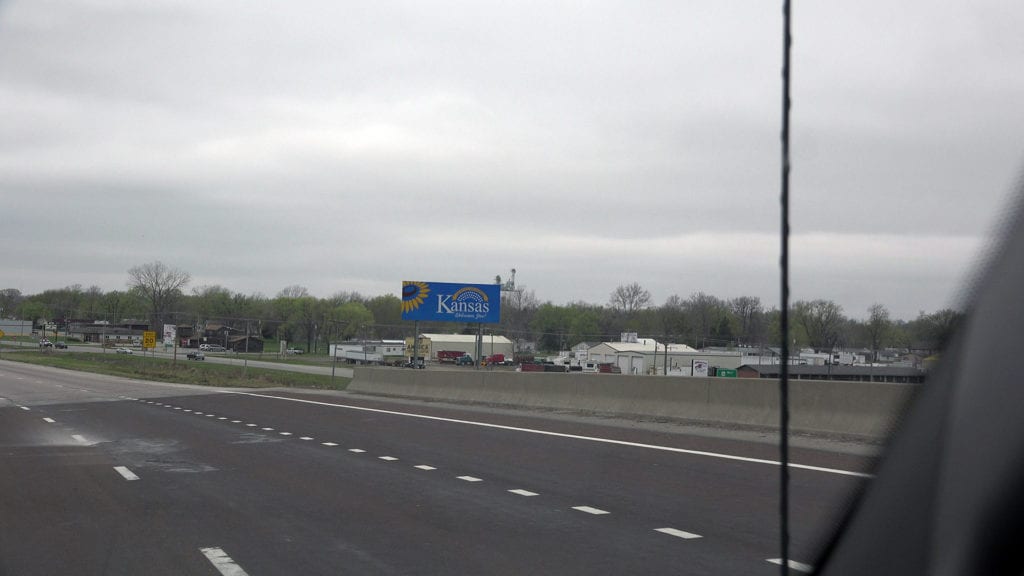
(159,294)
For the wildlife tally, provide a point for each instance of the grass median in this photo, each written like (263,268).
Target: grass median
(180,372)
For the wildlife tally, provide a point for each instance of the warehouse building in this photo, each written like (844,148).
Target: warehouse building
(431,344)
(648,356)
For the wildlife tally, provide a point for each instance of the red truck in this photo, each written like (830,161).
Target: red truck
(449,356)
(494,359)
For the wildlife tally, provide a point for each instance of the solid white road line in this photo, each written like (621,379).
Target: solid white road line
(425,467)
(677,533)
(470,478)
(124,471)
(590,510)
(328,443)
(222,562)
(356,450)
(798,566)
(388,458)
(561,435)
(522,492)
(80,438)
(50,420)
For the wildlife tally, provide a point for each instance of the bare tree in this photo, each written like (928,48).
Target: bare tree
(749,313)
(630,298)
(822,320)
(159,286)
(878,326)
(707,312)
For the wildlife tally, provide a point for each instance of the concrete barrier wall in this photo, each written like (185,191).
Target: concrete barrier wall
(867,409)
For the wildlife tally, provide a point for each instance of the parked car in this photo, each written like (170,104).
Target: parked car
(61,345)
(204,346)
(196,356)
(123,351)
(293,351)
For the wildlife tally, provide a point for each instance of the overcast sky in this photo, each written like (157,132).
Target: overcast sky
(353,145)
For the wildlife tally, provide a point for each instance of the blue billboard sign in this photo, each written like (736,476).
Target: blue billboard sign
(446,302)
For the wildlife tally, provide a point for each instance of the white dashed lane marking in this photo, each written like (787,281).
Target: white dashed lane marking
(50,420)
(124,471)
(80,438)
(522,492)
(24,407)
(798,566)
(222,562)
(590,510)
(558,434)
(227,564)
(677,533)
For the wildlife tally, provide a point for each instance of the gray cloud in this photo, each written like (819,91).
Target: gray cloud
(347,147)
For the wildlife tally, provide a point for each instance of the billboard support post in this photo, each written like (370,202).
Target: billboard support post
(479,345)
(416,346)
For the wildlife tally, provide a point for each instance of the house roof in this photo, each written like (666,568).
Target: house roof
(648,346)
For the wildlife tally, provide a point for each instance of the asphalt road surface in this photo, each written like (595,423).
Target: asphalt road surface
(103,475)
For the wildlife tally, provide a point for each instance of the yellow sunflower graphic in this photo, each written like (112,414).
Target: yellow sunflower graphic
(413,294)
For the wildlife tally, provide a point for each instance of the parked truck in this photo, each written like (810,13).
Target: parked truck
(496,359)
(450,356)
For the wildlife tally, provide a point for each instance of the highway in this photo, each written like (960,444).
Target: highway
(213,358)
(104,475)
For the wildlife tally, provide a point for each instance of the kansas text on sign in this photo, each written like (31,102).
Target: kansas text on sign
(447,302)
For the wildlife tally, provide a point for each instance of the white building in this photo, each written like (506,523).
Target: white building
(431,344)
(648,356)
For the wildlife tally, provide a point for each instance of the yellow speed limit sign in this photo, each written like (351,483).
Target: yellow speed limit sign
(149,339)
